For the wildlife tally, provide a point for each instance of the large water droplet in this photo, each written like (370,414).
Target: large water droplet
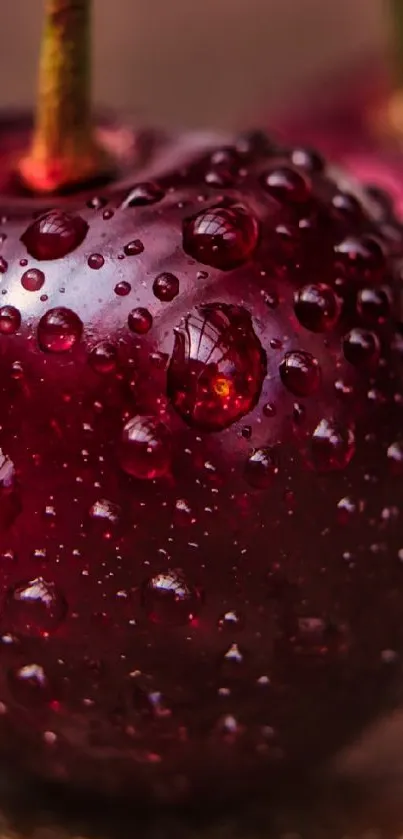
(222,237)
(33,607)
(33,279)
(54,235)
(168,599)
(361,347)
(58,330)
(316,307)
(133,248)
(217,366)
(333,445)
(10,320)
(145,448)
(300,373)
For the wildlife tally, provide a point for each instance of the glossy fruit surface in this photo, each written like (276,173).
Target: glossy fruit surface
(202,453)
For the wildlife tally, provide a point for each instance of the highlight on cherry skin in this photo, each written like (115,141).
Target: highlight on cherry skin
(201,470)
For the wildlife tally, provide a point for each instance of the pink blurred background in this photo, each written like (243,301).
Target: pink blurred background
(203,62)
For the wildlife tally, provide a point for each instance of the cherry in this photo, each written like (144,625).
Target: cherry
(200,433)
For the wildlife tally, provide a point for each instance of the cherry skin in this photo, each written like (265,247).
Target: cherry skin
(200,473)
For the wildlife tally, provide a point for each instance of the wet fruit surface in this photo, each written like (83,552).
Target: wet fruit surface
(200,472)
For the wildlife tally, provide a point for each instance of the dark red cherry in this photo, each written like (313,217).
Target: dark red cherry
(200,472)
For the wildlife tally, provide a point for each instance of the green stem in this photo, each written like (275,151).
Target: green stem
(63,151)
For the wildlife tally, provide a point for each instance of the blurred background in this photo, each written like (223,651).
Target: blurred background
(198,62)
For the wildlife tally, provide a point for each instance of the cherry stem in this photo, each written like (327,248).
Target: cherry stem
(64,151)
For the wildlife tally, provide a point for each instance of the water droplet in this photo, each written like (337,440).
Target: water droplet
(103,358)
(96,202)
(300,373)
(395,457)
(166,287)
(10,320)
(108,214)
(374,304)
(3,265)
(361,347)
(10,500)
(230,620)
(144,193)
(33,279)
(34,607)
(286,184)
(133,248)
(29,685)
(346,205)
(54,235)
(223,237)
(183,515)
(261,468)
(168,599)
(140,321)
(348,508)
(105,511)
(58,330)
(96,261)
(217,367)
(269,410)
(307,159)
(359,258)
(145,448)
(316,307)
(122,289)
(333,445)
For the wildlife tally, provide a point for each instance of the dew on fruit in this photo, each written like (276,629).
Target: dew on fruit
(300,373)
(54,235)
(308,159)
(10,320)
(59,330)
(166,287)
(33,279)
(3,265)
(316,307)
(332,445)
(346,205)
(96,261)
(168,599)
(361,347)
(373,304)
(96,202)
(217,366)
(103,357)
(140,321)
(145,448)
(183,516)
(286,185)
(142,194)
(261,468)
(359,258)
(29,685)
(105,511)
(33,608)
(269,410)
(10,500)
(395,457)
(230,620)
(348,508)
(223,237)
(122,289)
(133,248)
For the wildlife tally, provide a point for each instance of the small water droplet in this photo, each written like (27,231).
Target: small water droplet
(144,193)
(395,457)
(54,235)
(133,248)
(333,445)
(59,330)
(3,265)
(166,287)
(374,304)
(103,357)
(261,468)
(359,257)
(29,685)
(33,279)
(140,321)
(96,261)
(122,289)
(269,410)
(96,202)
(300,373)
(10,320)
(361,347)
(231,619)
(316,307)
(145,448)
(286,185)
(168,599)
(108,214)
(223,237)
(34,607)
(348,509)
